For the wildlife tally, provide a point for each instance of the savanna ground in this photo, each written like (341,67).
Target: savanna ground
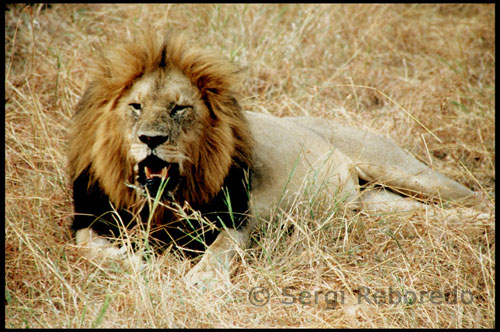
(400,70)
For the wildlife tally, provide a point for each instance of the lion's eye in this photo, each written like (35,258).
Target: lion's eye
(179,109)
(135,106)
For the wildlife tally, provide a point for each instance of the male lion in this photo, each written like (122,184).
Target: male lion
(159,119)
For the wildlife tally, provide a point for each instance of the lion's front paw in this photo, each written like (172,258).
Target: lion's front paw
(208,276)
(97,248)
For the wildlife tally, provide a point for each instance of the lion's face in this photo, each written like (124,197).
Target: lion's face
(165,121)
(155,109)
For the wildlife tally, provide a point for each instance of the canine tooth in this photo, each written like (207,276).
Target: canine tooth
(148,172)
(164,173)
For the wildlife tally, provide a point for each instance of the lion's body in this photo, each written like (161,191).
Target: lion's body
(287,158)
(158,111)
(289,151)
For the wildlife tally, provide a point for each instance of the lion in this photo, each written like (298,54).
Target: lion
(159,142)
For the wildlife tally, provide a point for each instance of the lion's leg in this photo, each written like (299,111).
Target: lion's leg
(379,159)
(383,201)
(214,268)
(95,247)
(379,200)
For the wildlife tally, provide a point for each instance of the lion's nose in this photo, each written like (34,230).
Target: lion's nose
(153,141)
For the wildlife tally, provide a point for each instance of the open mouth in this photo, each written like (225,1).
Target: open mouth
(154,171)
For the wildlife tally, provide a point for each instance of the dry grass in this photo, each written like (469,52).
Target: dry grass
(434,61)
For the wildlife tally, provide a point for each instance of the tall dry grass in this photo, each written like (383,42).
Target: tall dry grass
(386,65)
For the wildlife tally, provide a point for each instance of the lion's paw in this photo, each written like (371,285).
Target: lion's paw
(207,277)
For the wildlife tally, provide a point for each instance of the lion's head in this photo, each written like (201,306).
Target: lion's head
(156,108)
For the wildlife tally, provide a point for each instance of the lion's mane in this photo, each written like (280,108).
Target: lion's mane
(98,144)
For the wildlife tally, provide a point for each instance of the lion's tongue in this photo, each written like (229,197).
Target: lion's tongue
(161,173)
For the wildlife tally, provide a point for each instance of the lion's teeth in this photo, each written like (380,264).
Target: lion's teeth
(148,172)
(161,174)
